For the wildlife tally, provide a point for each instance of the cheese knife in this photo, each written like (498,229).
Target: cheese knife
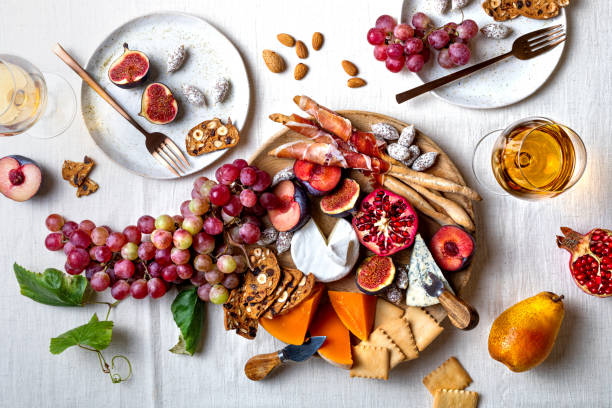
(259,366)
(460,313)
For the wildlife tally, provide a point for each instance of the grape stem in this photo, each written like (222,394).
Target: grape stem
(229,240)
(110,306)
(108,369)
(147,275)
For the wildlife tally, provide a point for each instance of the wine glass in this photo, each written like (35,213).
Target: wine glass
(533,158)
(43,105)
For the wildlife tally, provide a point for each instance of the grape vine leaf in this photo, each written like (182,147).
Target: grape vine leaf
(95,334)
(188,312)
(53,287)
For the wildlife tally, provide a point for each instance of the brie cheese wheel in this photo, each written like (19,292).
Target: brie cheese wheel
(421,263)
(327,259)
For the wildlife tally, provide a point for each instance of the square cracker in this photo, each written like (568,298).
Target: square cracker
(450,375)
(455,399)
(424,327)
(399,332)
(370,362)
(380,338)
(386,311)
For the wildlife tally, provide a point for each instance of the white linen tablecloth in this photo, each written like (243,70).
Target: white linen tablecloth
(517,256)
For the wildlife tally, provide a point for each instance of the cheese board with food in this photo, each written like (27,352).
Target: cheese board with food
(333,173)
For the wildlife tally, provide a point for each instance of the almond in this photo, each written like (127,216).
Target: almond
(274,62)
(300,71)
(301,50)
(286,39)
(350,68)
(317,41)
(356,83)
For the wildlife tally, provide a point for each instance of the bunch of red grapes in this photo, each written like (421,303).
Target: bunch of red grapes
(146,259)
(402,45)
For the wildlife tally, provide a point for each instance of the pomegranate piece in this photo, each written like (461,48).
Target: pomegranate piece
(130,69)
(385,223)
(20,177)
(292,211)
(318,180)
(452,248)
(591,259)
(158,105)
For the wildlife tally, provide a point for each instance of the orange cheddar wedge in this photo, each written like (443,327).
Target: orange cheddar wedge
(356,311)
(337,346)
(291,328)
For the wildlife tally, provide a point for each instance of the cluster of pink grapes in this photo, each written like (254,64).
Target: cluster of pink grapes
(403,45)
(146,259)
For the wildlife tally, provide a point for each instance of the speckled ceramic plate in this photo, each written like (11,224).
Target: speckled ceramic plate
(210,55)
(499,85)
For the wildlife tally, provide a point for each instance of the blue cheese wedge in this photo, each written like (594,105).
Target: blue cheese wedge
(328,259)
(421,263)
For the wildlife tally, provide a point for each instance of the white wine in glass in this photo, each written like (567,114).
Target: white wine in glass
(43,105)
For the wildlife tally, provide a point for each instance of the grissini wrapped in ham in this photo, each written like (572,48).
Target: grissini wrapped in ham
(329,155)
(328,119)
(308,128)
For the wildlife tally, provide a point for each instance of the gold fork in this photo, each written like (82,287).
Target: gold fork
(161,147)
(525,47)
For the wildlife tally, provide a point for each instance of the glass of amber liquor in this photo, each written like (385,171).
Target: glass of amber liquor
(531,159)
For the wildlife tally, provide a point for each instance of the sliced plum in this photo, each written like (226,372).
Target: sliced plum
(318,180)
(292,212)
(452,248)
(20,177)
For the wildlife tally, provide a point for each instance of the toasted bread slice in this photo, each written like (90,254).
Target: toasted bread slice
(210,136)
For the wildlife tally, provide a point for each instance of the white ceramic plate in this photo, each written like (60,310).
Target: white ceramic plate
(210,55)
(499,85)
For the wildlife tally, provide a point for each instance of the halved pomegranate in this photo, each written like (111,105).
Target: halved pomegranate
(385,223)
(292,213)
(130,69)
(158,104)
(591,260)
(318,180)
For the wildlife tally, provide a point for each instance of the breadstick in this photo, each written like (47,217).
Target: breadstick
(431,181)
(454,210)
(416,200)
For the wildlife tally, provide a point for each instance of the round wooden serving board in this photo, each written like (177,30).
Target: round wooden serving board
(444,167)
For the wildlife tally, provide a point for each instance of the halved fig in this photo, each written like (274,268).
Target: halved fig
(452,248)
(158,104)
(375,274)
(292,213)
(318,180)
(343,201)
(130,69)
